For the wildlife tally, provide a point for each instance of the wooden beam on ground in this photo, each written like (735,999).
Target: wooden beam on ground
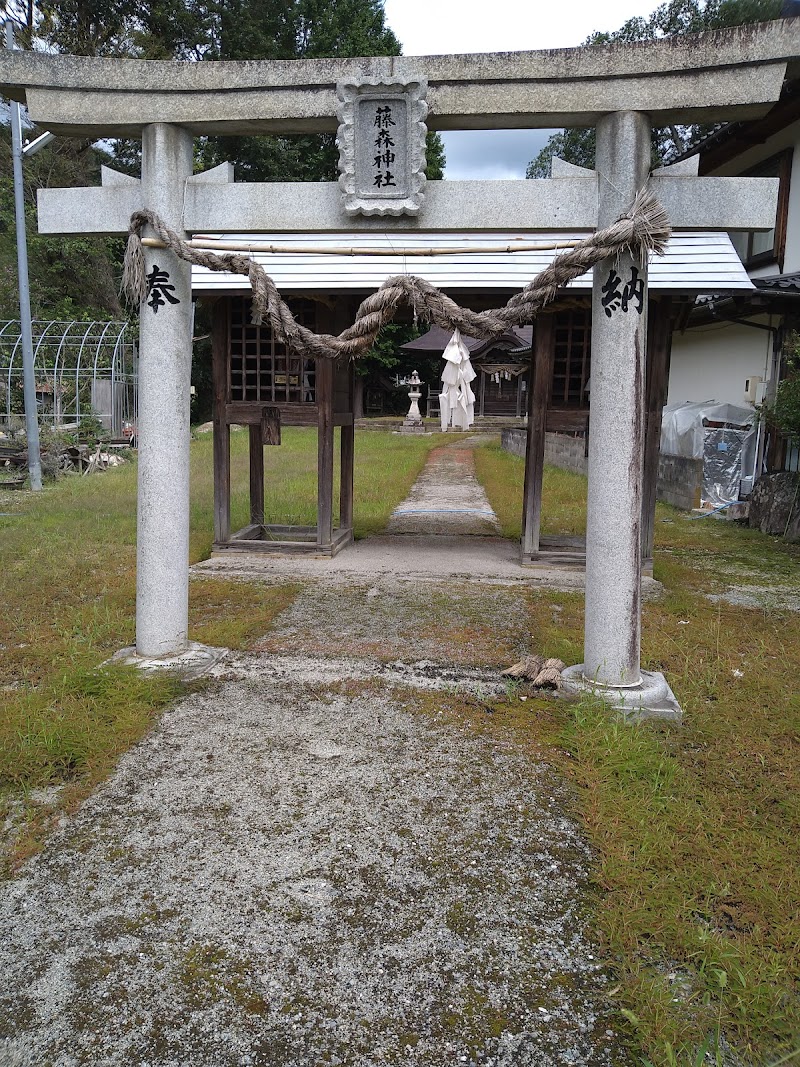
(659,348)
(541,377)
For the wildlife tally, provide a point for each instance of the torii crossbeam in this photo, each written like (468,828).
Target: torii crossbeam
(623,90)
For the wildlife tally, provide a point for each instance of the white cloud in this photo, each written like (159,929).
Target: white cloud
(491,153)
(440,27)
(437,27)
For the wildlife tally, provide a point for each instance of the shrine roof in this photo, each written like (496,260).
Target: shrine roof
(694,262)
(435,340)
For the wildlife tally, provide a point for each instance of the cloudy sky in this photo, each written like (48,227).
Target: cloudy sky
(434,27)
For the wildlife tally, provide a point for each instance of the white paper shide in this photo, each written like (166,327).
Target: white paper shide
(457,400)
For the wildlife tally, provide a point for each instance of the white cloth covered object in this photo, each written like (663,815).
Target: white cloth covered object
(457,400)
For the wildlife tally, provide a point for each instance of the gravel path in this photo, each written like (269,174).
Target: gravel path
(289,873)
(446,498)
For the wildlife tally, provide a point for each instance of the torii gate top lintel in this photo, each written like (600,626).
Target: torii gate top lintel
(709,77)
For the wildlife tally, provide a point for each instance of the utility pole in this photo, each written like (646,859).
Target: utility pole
(31,415)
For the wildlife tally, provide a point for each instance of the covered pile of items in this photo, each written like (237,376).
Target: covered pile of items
(57,457)
(724,437)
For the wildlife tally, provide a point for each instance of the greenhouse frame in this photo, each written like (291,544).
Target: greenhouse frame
(81,370)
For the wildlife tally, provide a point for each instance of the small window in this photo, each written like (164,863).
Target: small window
(763,247)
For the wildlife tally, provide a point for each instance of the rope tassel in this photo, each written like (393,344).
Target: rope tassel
(642,230)
(134,281)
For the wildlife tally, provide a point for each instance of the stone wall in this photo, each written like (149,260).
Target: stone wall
(560,449)
(514,441)
(679,480)
(567,452)
(775,505)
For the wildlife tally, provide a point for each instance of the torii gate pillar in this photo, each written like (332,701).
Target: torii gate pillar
(616,423)
(165,360)
(612,633)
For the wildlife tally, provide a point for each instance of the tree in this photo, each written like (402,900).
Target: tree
(79,27)
(783,412)
(670,19)
(298,29)
(69,278)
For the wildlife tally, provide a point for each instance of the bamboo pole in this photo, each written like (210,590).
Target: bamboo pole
(214,245)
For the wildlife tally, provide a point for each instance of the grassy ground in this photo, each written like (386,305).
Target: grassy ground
(67,583)
(385,468)
(502,475)
(696,828)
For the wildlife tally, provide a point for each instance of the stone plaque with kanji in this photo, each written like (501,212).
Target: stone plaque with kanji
(381,140)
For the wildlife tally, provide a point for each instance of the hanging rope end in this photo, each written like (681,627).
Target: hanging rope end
(134,282)
(650,221)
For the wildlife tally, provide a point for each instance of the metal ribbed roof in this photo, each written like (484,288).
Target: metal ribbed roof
(693,263)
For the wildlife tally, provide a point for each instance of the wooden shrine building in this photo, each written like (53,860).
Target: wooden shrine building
(502,365)
(261,384)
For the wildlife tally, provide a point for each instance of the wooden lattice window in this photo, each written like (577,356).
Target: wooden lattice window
(572,362)
(262,369)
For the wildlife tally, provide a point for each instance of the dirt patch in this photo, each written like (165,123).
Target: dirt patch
(458,623)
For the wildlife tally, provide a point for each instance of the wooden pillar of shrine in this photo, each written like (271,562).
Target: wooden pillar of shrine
(540,383)
(221,427)
(659,348)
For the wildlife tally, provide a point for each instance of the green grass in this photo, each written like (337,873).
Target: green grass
(697,828)
(502,475)
(386,466)
(67,581)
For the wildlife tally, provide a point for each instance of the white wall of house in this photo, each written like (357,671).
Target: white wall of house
(711,362)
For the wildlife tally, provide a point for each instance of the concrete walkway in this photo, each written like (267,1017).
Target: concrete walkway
(446,498)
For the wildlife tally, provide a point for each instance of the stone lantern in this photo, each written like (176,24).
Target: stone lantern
(413,422)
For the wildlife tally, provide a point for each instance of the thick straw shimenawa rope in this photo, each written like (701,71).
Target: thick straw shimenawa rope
(643,229)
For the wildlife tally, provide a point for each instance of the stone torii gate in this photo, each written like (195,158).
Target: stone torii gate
(622,90)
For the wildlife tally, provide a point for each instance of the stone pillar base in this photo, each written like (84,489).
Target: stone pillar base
(651,699)
(193,662)
(413,426)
